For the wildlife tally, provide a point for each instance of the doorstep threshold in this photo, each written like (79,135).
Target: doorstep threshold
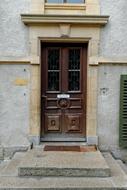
(53,139)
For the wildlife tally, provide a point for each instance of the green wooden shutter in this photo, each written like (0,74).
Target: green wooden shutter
(123,112)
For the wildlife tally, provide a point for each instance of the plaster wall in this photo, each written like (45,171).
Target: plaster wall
(14,106)
(113,35)
(113,46)
(14,78)
(14,40)
(108,107)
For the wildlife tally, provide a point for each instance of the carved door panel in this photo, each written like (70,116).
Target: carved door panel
(63,90)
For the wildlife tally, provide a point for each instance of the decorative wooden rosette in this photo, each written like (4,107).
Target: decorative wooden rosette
(63,103)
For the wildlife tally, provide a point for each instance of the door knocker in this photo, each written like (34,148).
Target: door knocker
(63,103)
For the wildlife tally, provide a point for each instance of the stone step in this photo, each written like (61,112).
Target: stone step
(55,183)
(68,164)
(116,169)
(10,167)
(11,181)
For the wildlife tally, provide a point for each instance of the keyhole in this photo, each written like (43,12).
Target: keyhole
(73,122)
(53,123)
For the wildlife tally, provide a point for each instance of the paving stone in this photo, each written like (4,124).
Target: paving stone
(10,167)
(3,165)
(116,169)
(122,165)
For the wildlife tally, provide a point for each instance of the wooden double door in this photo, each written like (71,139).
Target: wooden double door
(63,91)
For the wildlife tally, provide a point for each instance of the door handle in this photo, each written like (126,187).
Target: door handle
(43,96)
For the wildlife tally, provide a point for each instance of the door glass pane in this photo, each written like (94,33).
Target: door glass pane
(53,69)
(74,70)
(74,59)
(53,81)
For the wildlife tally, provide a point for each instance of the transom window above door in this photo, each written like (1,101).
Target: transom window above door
(65,1)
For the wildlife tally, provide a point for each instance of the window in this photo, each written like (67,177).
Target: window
(65,1)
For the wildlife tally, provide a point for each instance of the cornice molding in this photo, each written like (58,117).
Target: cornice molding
(13,62)
(38,19)
(96,61)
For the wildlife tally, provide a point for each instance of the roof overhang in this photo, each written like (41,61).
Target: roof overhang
(38,19)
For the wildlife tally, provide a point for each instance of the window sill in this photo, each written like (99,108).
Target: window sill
(65,6)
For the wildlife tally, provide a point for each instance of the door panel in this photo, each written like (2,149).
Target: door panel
(73,122)
(63,90)
(52,123)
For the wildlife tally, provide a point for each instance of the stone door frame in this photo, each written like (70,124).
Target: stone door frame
(91,119)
